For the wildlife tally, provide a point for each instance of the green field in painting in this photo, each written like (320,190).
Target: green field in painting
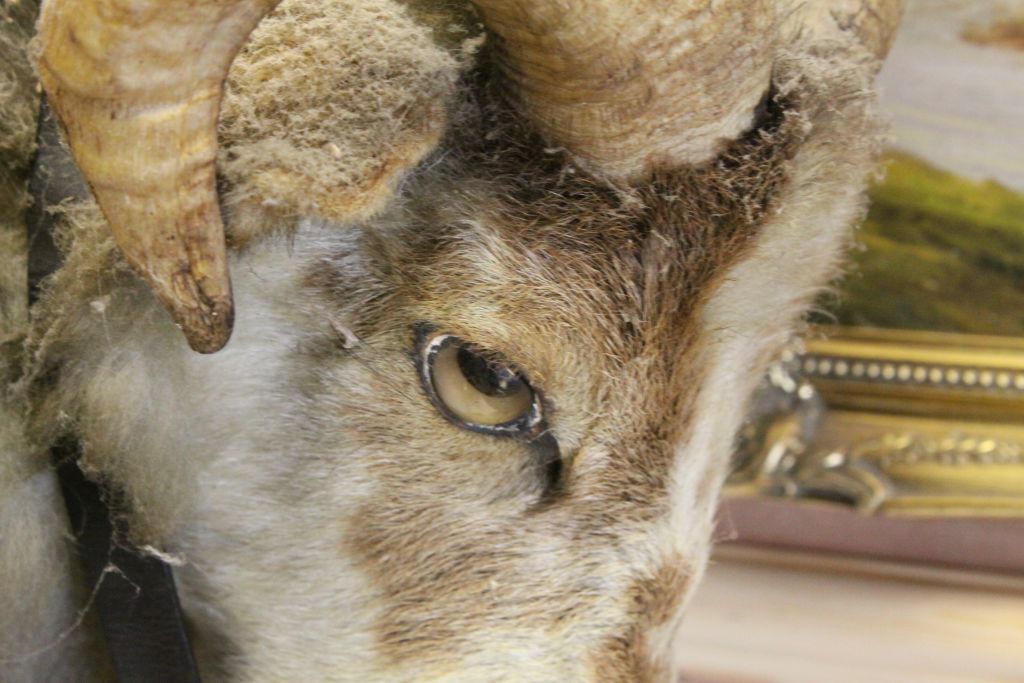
(940,253)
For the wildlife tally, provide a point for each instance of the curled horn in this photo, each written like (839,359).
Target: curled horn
(137,86)
(628,85)
(624,85)
(872,23)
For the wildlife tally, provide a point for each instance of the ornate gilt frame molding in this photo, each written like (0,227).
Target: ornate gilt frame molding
(891,422)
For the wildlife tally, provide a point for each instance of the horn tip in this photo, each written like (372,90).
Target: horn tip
(210,330)
(206,318)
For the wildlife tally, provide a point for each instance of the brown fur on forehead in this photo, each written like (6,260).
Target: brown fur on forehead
(528,248)
(532,239)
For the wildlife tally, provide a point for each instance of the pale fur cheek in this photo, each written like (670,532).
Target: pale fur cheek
(262,570)
(748,318)
(267,567)
(506,654)
(754,309)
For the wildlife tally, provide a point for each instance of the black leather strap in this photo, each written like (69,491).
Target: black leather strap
(135,599)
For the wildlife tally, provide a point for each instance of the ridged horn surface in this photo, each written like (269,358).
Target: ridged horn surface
(628,85)
(137,85)
(872,22)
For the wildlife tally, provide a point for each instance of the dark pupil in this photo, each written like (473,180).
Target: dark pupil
(488,377)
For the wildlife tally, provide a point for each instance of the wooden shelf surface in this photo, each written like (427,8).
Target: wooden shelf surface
(782,617)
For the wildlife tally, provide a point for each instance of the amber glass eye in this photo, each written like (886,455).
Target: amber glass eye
(476,390)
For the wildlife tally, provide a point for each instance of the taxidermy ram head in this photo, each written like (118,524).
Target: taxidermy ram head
(499,294)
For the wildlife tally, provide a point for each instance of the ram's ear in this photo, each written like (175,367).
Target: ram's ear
(326,106)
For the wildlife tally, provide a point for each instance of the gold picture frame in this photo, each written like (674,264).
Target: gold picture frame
(906,422)
(891,422)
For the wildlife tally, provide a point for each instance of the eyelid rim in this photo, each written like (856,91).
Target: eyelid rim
(527,427)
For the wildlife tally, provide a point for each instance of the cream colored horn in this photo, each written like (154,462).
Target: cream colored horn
(872,22)
(137,85)
(631,85)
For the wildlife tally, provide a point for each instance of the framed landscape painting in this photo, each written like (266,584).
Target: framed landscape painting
(910,401)
(943,245)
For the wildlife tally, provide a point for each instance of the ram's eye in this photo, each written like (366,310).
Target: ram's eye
(476,390)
